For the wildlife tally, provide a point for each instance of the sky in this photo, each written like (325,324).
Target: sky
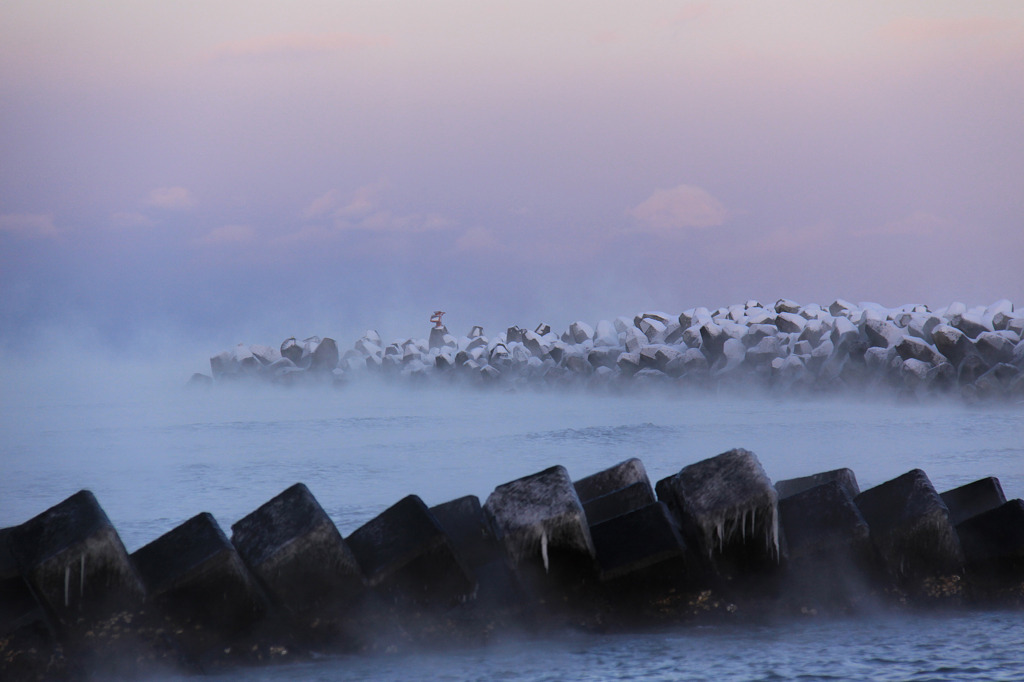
(226,171)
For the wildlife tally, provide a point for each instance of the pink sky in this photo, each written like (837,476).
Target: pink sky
(239,168)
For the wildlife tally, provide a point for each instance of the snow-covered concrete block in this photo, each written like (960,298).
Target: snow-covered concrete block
(765,350)
(910,347)
(882,333)
(238,361)
(996,347)
(324,356)
(712,341)
(844,333)
(727,508)
(951,342)
(652,328)
(970,369)
(605,334)
(784,305)
(580,332)
(540,517)
(996,381)
(973,324)
(733,355)
(841,308)
(628,363)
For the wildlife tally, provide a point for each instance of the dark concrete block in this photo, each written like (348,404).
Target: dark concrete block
(845,477)
(911,528)
(539,516)
(194,575)
(404,553)
(822,525)
(464,521)
(75,562)
(481,550)
(974,498)
(18,606)
(639,540)
(993,542)
(618,502)
(297,553)
(727,509)
(324,357)
(613,478)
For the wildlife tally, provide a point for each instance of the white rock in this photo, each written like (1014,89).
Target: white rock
(623,323)
(267,355)
(784,305)
(605,334)
(634,339)
(691,337)
(580,332)
(790,323)
(953,313)
(882,332)
(653,329)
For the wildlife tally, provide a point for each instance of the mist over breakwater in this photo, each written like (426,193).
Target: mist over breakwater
(156,457)
(784,348)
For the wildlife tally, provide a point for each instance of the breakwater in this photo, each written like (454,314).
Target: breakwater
(610,551)
(785,348)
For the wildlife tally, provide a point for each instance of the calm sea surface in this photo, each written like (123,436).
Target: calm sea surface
(155,456)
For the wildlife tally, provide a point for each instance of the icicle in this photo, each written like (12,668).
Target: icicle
(544,548)
(67,582)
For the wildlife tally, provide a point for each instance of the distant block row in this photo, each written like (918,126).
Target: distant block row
(977,353)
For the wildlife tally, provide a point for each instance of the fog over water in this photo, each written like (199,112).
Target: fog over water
(156,453)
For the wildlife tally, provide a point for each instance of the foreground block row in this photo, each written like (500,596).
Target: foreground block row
(610,550)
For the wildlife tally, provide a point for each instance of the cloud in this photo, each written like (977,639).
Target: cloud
(385,221)
(479,239)
(28,224)
(361,202)
(919,223)
(608,37)
(680,208)
(170,198)
(297,45)
(807,239)
(228,234)
(920,29)
(322,205)
(691,12)
(130,220)
(364,210)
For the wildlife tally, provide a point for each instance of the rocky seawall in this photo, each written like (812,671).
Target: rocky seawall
(717,540)
(785,348)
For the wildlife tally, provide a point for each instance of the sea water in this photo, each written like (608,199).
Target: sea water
(155,454)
